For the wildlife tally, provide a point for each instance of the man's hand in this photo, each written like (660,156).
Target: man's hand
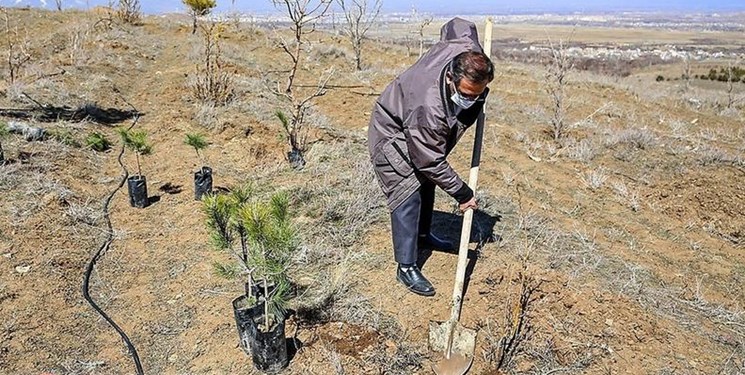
(470,204)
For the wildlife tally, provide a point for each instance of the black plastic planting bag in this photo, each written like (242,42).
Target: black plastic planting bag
(202,182)
(137,186)
(267,349)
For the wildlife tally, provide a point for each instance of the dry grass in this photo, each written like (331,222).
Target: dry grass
(625,196)
(584,151)
(635,138)
(711,155)
(594,179)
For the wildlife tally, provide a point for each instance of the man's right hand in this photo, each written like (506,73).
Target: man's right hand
(470,204)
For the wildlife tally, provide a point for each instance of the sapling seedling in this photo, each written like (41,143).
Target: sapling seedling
(97,142)
(136,141)
(268,241)
(198,142)
(225,225)
(272,241)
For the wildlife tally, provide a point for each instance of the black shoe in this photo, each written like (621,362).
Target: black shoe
(413,279)
(430,241)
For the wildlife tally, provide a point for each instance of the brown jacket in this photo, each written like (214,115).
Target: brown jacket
(415,125)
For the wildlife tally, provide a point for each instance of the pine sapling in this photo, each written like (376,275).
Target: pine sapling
(198,142)
(272,243)
(225,223)
(97,142)
(136,141)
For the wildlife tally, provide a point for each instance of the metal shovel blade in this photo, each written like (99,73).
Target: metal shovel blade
(459,360)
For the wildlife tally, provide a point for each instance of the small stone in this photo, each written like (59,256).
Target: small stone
(172,358)
(23,269)
(8,255)
(609,322)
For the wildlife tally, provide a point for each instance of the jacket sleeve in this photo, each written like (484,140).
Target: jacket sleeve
(426,138)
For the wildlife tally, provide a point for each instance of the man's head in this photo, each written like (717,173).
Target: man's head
(470,73)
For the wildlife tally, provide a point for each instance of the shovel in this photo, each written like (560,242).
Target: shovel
(455,342)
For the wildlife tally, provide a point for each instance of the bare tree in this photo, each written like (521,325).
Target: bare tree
(421,22)
(687,70)
(58,3)
(303,15)
(360,15)
(295,126)
(17,50)
(555,81)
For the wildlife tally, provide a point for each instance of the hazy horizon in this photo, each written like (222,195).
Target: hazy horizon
(439,6)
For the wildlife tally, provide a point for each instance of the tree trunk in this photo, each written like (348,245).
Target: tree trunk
(194,25)
(139,171)
(266,305)
(295,62)
(244,244)
(358,55)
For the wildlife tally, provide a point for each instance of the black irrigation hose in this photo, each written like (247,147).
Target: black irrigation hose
(101,251)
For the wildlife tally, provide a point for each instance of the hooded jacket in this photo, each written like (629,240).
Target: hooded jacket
(414,124)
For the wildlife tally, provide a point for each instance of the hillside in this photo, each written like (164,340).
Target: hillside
(624,238)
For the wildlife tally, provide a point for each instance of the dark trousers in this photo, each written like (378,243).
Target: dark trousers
(411,219)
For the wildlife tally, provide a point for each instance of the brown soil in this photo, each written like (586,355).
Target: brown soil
(615,288)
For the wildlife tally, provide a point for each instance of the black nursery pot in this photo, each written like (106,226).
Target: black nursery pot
(137,186)
(296,159)
(267,349)
(202,182)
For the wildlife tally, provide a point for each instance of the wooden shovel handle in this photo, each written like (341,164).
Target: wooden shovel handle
(465,234)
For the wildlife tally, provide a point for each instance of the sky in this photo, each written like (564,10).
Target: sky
(438,6)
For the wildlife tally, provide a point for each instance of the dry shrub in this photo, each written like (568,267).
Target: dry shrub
(555,85)
(208,116)
(17,54)
(712,155)
(212,82)
(594,179)
(625,196)
(128,11)
(504,341)
(323,52)
(584,151)
(403,359)
(637,138)
(679,128)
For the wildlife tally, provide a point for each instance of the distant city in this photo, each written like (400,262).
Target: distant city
(440,7)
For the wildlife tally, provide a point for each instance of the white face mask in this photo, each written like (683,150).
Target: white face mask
(460,100)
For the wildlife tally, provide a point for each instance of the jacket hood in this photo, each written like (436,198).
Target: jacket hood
(458,28)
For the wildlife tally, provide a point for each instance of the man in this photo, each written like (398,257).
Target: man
(415,124)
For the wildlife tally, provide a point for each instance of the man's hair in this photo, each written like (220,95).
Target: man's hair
(473,65)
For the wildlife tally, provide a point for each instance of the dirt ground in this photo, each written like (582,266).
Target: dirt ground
(615,250)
